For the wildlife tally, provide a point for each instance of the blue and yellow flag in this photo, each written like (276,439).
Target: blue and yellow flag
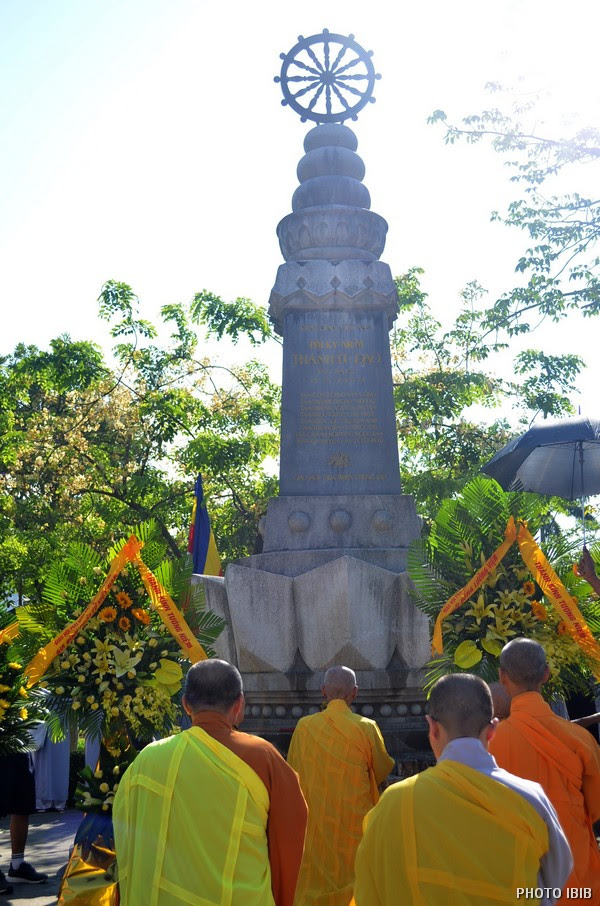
(201,544)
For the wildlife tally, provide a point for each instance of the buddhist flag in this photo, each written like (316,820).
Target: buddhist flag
(202,545)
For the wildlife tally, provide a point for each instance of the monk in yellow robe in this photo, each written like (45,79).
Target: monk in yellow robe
(211,815)
(562,757)
(464,833)
(340,758)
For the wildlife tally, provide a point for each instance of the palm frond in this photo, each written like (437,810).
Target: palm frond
(208,628)
(29,623)
(155,547)
(82,559)
(58,725)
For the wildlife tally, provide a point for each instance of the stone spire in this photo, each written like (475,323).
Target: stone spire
(332,241)
(331,217)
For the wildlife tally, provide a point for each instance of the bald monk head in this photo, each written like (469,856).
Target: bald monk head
(500,700)
(214,685)
(523,667)
(460,705)
(340,682)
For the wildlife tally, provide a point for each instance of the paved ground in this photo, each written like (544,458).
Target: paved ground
(50,837)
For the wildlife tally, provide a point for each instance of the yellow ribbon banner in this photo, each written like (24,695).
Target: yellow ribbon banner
(42,660)
(458,599)
(9,632)
(558,595)
(170,614)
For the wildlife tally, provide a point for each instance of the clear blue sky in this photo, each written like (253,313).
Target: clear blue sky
(145,141)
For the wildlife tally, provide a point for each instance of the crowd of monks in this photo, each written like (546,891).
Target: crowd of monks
(216,816)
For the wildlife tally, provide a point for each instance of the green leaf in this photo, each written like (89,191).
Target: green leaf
(492,646)
(467,655)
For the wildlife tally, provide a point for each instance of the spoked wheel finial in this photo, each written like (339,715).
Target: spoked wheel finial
(334,77)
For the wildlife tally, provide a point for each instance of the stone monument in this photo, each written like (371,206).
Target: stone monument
(330,585)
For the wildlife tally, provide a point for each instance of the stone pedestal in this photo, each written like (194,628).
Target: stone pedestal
(329,588)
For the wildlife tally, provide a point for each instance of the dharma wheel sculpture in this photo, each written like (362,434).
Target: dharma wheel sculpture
(334,77)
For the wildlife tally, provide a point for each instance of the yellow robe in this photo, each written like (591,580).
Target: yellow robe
(340,758)
(449,835)
(190,827)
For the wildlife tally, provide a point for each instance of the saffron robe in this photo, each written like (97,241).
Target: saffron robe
(340,758)
(190,823)
(286,825)
(565,760)
(450,835)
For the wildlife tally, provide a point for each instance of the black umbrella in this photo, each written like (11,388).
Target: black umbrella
(560,458)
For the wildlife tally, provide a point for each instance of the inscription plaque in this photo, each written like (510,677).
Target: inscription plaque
(338,431)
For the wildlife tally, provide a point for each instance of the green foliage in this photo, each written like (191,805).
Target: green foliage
(561,266)
(119,300)
(87,452)
(232,319)
(549,379)
(446,393)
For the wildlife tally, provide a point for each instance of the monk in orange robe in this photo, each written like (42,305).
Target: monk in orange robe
(564,759)
(340,758)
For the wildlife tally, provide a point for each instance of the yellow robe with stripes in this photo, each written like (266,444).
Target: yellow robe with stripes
(449,835)
(340,758)
(190,827)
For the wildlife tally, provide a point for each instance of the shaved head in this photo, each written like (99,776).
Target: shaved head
(462,704)
(500,699)
(339,682)
(212,685)
(524,663)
